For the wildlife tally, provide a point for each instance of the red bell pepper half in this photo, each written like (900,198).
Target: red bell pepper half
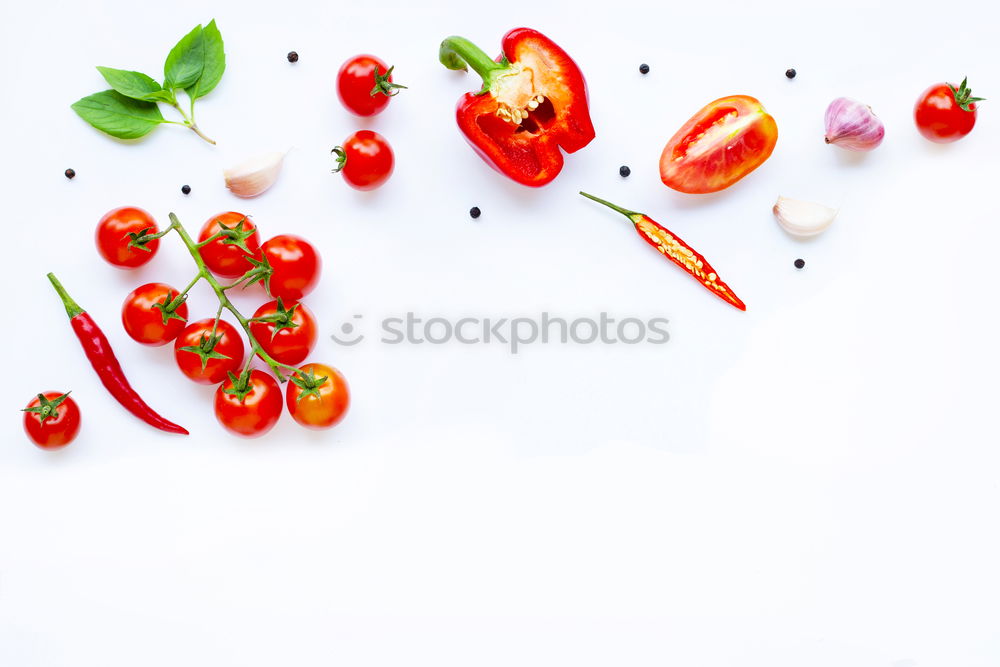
(533,102)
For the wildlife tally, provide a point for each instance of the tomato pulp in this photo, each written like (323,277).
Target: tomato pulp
(719,145)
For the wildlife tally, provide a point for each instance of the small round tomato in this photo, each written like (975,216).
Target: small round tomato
(296,266)
(207,358)
(718,146)
(115,232)
(287,333)
(317,396)
(364,85)
(365,160)
(52,420)
(147,318)
(944,113)
(227,256)
(249,408)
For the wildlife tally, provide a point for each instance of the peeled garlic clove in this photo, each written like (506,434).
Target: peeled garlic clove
(853,125)
(251,177)
(803,219)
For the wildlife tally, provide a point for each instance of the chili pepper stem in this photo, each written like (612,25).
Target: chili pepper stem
(72,307)
(627,213)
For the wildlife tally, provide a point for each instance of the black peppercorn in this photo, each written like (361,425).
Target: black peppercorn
(790,73)
(800,263)
(293,57)
(624,171)
(644,69)
(186,189)
(475,212)
(70,173)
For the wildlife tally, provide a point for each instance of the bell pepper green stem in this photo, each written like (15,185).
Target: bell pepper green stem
(72,307)
(456,51)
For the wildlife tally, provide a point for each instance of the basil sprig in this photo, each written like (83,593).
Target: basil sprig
(130,110)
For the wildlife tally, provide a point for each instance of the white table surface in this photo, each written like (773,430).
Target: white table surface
(812,482)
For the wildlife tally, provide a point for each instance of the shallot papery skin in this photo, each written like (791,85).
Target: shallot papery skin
(853,125)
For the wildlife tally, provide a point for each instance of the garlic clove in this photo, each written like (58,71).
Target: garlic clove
(853,125)
(255,175)
(803,219)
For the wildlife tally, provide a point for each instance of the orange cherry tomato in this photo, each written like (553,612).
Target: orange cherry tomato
(718,146)
(323,406)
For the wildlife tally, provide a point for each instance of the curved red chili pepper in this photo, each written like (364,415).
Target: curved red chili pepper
(533,102)
(102,358)
(677,251)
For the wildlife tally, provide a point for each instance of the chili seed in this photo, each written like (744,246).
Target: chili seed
(790,73)
(644,69)
(800,263)
(186,189)
(475,212)
(624,171)
(70,173)
(293,57)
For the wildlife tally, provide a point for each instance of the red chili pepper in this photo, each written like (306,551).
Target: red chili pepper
(102,358)
(677,251)
(533,101)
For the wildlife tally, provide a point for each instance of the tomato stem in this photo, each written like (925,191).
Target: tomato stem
(224,302)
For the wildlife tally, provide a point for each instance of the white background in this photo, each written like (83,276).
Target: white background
(812,482)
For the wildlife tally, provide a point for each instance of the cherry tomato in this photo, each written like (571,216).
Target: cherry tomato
(224,256)
(52,420)
(146,318)
(364,85)
(113,238)
(205,362)
(253,413)
(944,113)
(718,146)
(290,335)
(322,406)
(296,266)
(365,160)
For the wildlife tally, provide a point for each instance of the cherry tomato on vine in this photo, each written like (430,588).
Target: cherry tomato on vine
(365,160)
(205,358)
(288,332)
(118,229)
(296,266)
(228,256)
(52,420)
(719,145)
(151,316)
(364,85)
(944,113)
(250,406)
(317,396)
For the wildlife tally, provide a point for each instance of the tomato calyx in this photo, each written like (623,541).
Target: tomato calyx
(140,239)
(963,95)
(205,349)
(261,271)
(235,235)
(341,158)
(240,385)
(383,85)
(46,409)
(168,307)
(308,383)
(282,318)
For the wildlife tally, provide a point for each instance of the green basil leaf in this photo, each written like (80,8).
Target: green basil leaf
(113,113)
(214,62)
(136,85)
(185,61)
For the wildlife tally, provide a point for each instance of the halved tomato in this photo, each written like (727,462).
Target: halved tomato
(721,144)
